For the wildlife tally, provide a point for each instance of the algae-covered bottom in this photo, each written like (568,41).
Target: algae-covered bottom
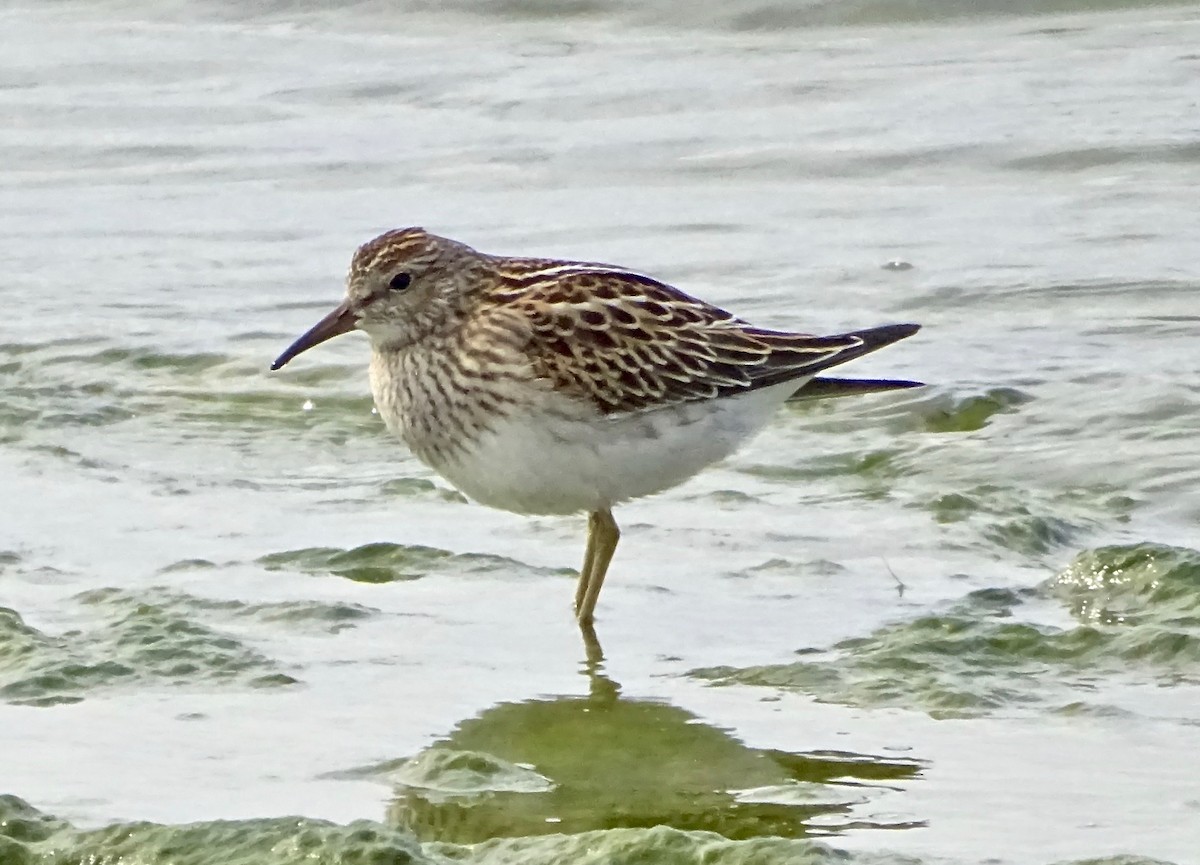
(29,837)
(1137,624)
(954,624)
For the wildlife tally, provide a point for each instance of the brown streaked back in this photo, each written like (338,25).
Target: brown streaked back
(628,342)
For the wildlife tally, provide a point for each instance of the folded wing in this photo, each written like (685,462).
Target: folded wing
(630,343)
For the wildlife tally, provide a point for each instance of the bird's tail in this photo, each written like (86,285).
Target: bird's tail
(825,388)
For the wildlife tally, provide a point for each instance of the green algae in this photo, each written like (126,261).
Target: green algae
(419,488)
(1139,620)
(447,772)
(56,386)
(134,643)
(31,837)
(299,615)
(1144,584)
(28,837)
(968,414)
(661,845)
(1008,518)
(387,562)
(875,465)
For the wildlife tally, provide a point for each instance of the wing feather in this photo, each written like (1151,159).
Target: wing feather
(630,343)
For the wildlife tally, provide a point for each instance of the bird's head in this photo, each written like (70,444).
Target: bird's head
(402,286)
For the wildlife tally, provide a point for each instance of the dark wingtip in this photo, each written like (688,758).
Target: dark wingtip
(897,331)
(877,337)
(824,388)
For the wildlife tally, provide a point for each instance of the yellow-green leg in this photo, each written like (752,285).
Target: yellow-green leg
(585,571)
(603,535)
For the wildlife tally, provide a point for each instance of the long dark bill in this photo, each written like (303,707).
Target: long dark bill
(340,321)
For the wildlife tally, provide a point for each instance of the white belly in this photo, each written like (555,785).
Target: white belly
(545,462)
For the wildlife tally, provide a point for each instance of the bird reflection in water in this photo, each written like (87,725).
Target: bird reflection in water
(602,761)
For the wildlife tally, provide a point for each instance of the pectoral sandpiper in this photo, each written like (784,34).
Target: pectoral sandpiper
(558,387)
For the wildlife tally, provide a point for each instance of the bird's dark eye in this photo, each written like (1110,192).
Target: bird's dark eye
(399,282)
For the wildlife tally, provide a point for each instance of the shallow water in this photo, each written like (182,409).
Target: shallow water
(960,624)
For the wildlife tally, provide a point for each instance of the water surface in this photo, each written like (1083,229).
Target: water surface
(960,624)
